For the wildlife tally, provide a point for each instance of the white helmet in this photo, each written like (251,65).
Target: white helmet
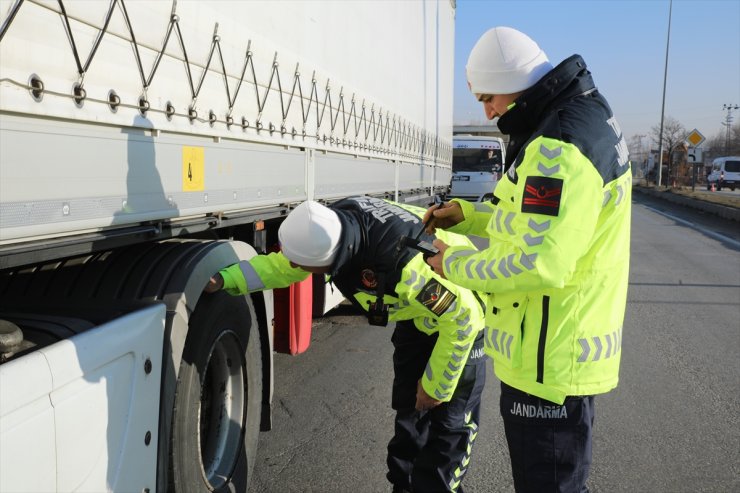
(505,61)
(310,235)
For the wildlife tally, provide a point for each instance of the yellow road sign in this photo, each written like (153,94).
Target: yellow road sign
(695,138)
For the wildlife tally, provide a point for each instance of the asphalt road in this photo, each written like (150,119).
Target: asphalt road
(672,425)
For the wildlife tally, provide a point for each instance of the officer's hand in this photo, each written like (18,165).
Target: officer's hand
(423,401)
(436,262)
(444,216)
(214,284)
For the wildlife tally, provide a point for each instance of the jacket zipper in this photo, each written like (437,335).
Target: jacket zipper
(480,301)
(543,338)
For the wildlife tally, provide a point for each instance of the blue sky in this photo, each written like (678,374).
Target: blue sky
(624,45)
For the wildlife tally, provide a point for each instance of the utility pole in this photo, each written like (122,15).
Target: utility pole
(728,123)
(662,109)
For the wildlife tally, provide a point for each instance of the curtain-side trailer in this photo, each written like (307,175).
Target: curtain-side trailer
(146,145)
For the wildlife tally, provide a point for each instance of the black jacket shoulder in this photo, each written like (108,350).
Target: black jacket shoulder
(565,105)
(371,230)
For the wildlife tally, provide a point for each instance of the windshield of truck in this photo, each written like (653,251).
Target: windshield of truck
(475,160)
(731,166)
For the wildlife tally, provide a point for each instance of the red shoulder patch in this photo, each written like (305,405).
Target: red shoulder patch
(542,195)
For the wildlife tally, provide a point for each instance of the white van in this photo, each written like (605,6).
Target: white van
(477,165)
(725,173)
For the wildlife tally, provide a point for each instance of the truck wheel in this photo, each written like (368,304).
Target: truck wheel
(216,414)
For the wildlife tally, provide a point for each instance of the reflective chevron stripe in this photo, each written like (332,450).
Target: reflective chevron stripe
(550,154)
(463,334)
(455,255)
(439,395)
(502,268)
(501,344)
(510,263)
(459,472)
(507,222)
(494,339)
(607,198)
(593,349)
(533,240)
(620,195)
(462,348)
(538,227)
(527,261)
(400,305)
(548,171)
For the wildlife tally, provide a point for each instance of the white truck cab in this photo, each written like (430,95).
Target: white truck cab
(477,166)
(725,173)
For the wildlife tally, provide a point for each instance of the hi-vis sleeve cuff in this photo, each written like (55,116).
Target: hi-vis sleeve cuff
(234,283)
(476,216)
(261,272)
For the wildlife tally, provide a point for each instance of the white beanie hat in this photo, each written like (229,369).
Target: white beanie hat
(309,236)
(505,61)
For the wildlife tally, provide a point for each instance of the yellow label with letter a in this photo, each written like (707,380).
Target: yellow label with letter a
(193,169)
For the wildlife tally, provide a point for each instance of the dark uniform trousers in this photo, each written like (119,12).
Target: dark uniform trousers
(549,444)
(430,450)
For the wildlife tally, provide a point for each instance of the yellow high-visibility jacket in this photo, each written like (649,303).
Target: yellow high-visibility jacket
(556,269)
(370,230)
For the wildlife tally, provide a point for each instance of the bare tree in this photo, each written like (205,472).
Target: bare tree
(715,146)
(674,133)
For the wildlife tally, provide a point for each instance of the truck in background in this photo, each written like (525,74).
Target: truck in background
(477,165)
(143,147)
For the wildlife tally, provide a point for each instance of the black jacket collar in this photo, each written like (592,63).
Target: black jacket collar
(568,80)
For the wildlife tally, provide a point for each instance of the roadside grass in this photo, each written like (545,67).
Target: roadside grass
(729,199)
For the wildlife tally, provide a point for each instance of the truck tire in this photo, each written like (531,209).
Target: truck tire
(216,415)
